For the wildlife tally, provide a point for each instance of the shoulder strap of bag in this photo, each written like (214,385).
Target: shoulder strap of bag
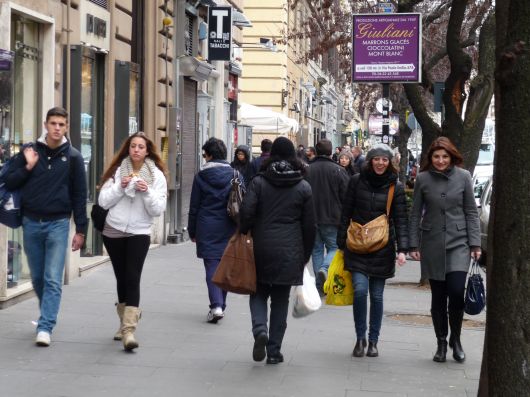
(390,198)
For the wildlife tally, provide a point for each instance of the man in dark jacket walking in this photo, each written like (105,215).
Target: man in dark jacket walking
(51,176)
(329,182)
(266,146)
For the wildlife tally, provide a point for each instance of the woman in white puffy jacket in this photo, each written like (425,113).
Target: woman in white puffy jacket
(134,190)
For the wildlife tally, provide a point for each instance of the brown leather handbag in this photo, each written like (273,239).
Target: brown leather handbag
(237,270)
(372,236)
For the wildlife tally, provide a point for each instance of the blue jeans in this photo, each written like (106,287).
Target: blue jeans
(326,236)
(45,245)
(361,285)
(216,295)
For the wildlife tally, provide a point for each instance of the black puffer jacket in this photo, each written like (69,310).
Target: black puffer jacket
(278,209)
(366,200)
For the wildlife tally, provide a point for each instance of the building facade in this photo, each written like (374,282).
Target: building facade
(118,67)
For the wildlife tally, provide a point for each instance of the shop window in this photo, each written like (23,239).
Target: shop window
(25,121)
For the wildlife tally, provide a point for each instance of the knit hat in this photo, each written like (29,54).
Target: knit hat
(283,148)
(346,153)
(379,150)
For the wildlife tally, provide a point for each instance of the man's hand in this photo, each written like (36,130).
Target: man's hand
(31,158)
(415,255)
(78,241)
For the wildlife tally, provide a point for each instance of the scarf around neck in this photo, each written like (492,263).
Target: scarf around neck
(147,172)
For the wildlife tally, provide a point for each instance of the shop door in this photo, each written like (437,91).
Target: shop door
(86,127)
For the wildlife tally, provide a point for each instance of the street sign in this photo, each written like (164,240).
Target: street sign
(219,33)
(387,48)
(382,102)
(386,7)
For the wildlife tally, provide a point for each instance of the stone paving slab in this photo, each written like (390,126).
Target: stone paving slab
(181,355)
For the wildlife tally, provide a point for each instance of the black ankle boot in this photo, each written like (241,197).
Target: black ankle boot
(372,350)
(455,322)
(441,352)
(439,321)
(358,350)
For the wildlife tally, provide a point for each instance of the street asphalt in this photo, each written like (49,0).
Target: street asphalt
(182,355)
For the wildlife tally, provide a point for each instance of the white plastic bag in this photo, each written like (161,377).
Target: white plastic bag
(306,297)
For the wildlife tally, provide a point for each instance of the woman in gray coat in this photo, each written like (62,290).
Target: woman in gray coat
(444,235)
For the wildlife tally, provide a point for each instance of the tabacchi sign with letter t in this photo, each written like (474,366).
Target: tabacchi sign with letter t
(387,48)
(219,33)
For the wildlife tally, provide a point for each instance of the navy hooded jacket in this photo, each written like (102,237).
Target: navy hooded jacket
(208,220)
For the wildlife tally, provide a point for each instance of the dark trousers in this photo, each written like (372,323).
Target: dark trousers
(279,295)
(127,255)
(216,295)
(451,289)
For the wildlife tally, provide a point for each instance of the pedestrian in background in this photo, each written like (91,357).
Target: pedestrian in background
(209,225)
(445,235)
(52,179)
(266,145)
(336,155)
(329,182)
(346,161)
(358,158)
(310,153)
(134,190)
(243,164)
(278,210)
(366,199)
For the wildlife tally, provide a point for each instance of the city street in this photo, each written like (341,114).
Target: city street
(182,355)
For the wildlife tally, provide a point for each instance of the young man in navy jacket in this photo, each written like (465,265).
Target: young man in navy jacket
(51,176)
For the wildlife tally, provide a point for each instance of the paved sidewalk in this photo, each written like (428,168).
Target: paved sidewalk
(181,355)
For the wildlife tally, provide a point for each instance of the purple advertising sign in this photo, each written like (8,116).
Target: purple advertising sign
(387,48)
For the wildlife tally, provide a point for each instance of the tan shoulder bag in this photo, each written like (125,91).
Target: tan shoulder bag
(372,236)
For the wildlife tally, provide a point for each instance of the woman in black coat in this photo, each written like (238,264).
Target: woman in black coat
(278,209)
(366,199)
(243,163)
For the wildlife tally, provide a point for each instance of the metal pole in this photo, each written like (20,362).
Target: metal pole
(67,104)
(386,116)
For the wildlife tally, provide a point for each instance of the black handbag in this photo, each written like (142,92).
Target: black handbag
(98,215)
(475,299)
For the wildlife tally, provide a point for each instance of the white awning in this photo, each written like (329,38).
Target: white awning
(267,121)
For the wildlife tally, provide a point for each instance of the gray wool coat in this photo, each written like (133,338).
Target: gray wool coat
(444,222)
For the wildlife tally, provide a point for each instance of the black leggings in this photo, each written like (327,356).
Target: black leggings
(453,288)
(127,255)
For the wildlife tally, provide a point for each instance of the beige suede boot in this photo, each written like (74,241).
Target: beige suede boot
(131,315)
(120,307)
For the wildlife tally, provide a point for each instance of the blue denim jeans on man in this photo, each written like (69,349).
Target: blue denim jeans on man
(326,237)
(363,284)
(45,244)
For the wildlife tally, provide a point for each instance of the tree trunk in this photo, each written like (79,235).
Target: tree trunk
(508,320)
(480,95)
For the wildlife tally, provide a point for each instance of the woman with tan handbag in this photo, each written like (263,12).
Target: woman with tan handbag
(445,235)
(374,215)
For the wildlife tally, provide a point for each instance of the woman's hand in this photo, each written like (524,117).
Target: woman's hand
(401,259)
(141,185)
(476,253)
(415,255)
(125,181)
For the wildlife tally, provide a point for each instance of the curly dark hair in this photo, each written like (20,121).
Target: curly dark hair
(216,148)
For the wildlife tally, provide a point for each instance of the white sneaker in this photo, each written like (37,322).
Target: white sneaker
(215,315)
(43,339)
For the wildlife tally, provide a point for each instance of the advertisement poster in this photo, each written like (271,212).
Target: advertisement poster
(386,48)
(375,124)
